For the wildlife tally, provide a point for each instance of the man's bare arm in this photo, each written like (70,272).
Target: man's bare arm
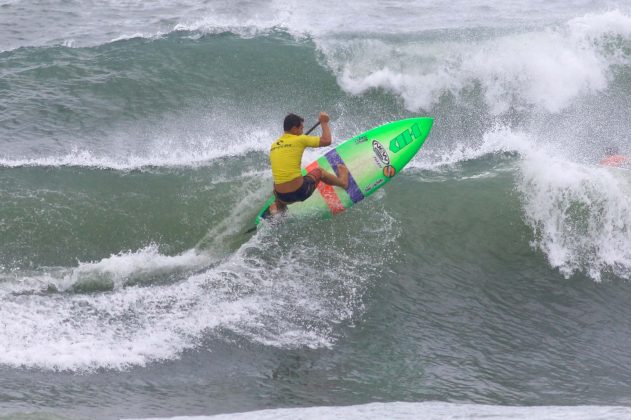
(325,139)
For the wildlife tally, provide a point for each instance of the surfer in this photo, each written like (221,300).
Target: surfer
(286,157)
(614,158)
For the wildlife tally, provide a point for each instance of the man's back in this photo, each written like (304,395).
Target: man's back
(286,156)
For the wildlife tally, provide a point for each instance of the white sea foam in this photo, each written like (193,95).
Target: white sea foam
(579,212)
(130,327)
(580,215)
(328,17)
(113,272)
(162,153)
(547,69)
(428,411)
(264,292)
(499,140)
(248,28)
(125,37)
(113,19)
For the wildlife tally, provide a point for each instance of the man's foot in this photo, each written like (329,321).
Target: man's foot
(276,208)
(343,175)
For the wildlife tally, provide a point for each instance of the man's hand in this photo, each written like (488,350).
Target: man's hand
(324,118)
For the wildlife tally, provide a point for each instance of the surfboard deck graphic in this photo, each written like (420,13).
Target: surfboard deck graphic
(373,158)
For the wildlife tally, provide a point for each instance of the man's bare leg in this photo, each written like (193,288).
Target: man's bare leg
(277,207)
(341,181)
(328,178)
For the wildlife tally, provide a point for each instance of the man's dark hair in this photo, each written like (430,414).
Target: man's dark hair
(291,121)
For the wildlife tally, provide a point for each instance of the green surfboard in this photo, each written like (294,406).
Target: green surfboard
(373,158)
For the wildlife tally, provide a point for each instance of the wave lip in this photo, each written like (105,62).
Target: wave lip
(165,154)
(546,69)
(580,215)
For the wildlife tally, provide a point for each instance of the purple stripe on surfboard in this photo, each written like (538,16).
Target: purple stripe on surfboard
(353,189)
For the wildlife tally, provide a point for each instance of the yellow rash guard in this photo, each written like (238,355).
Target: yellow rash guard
(286,156)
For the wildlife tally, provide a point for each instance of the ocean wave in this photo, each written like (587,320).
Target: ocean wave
(580,215)
(546,69)
(111,273)
(426,410)
(577,210)
(166,153)
(263,292)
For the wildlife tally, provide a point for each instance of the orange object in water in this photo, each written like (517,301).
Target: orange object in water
(615,160)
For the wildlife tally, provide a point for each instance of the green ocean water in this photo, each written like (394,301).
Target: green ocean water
(493,271)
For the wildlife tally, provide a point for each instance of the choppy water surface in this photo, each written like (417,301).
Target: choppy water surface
(493,272)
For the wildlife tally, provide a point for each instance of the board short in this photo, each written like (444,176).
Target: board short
(309,184)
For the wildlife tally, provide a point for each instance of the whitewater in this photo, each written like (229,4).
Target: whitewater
(489,279)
